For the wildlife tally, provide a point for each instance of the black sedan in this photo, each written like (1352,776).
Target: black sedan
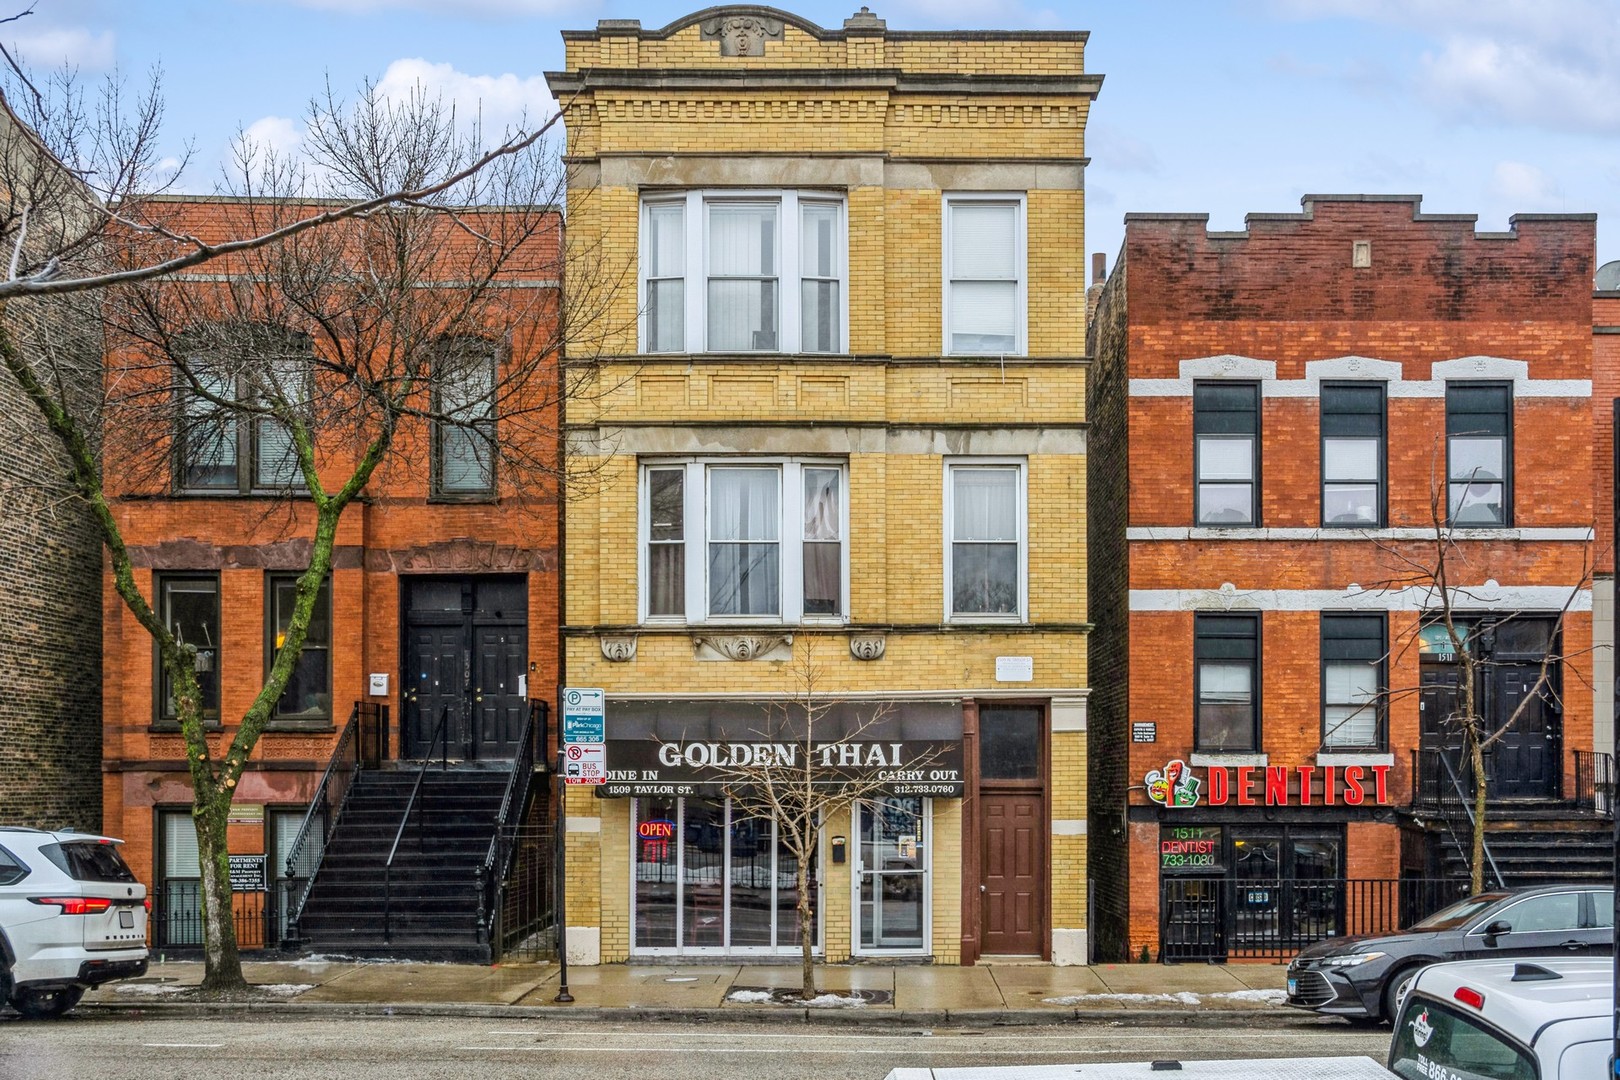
(1361,976)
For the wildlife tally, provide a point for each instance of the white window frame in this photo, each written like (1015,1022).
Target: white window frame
(947,527)
(1020,260)
(695,532)
(789,277)
(927,878)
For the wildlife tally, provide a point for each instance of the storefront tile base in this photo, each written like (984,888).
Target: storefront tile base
(1069,948)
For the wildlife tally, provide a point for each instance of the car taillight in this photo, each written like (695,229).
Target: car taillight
(75,905)
(1470,997)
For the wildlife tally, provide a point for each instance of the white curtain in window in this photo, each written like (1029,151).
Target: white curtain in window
(744,556)
(742,272)
(819,304)
(985,504)
(823,565)
(666,273)
(983,240)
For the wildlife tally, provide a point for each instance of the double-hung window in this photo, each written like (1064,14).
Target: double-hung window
(1226,654)
(308,695)
(1353,455)
(984,514)
(740,539)
(1226,453)
(740,272)
(188,604)
(227,441)
(1352,673)
(464,426)
(984,274)
(1479,453)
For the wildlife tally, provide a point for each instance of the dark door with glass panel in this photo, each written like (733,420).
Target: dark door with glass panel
(466,651)
(1012,831)
(1525,759)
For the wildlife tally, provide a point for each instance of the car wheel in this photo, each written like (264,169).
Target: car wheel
(1395,988)
(46,1004)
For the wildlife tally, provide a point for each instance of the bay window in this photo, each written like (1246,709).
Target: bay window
(743,539)
(718,272)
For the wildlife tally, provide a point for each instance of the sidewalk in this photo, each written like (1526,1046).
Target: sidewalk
(987,993)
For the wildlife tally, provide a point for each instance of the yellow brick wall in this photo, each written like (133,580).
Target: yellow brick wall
(901,384)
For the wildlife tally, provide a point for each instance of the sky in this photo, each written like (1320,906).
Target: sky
(1224,107)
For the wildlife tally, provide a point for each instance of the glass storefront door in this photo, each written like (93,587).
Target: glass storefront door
(709,879)
(892,875)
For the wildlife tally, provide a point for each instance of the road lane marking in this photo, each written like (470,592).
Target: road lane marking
(183,1046)
(785,1050)
(1111,1035)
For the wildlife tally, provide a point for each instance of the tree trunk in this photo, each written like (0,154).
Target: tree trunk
(222,963)
(1476,759)
(806,916)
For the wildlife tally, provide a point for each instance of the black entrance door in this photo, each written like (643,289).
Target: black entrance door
(466,650)
(1526,757)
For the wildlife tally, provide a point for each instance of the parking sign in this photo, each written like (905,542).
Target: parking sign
(584,736)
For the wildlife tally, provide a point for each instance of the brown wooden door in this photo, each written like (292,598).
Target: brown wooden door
(1012,856)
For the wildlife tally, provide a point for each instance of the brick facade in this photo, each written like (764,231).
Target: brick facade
(890,124)
(397,532)
(1282,307)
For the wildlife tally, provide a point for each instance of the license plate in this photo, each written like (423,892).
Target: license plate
(1293,985)
(126,920)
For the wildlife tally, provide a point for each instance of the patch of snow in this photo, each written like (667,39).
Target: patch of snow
(327,959)
(286,989)
(152,989)
(831,1001)
(752,997)
(1269,997)
(1181,997)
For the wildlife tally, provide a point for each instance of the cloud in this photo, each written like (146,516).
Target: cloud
(1111,148)
(276,134)
(485,8)
(1525,186)
(69,46)
(498,102)
(1540,63)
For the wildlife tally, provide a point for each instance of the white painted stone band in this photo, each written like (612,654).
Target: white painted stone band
(1390,372)
(1183,532)
(1069,827)
(1487,597)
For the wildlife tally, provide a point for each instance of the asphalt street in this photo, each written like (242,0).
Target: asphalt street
(116,1047)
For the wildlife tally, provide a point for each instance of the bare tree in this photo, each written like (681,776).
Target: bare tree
(1433,571)
(810,765)
(387,301)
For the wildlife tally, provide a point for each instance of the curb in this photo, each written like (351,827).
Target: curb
(864,1017)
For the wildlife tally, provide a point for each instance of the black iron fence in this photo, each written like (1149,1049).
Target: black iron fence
(1205,919)
(526,926)
(1594,782)
(177,921)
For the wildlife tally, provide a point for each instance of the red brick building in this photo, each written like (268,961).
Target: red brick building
(443,597)
(1278,417)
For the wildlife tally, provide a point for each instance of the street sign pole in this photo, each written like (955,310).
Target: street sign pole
(561,905)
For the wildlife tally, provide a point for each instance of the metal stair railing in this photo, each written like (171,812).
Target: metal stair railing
(363,741)
(1473,825)
(439,731)
(502,846)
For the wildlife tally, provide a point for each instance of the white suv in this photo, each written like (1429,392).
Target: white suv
(1531,1019)
(72,916)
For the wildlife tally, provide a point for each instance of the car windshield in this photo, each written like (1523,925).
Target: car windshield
(1450,918)
(1433,1040)
(88,860)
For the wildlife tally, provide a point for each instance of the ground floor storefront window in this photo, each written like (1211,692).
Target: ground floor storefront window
(1230,891)
(709,878)
(893,878)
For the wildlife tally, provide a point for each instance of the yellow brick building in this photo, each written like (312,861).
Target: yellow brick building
(832,421)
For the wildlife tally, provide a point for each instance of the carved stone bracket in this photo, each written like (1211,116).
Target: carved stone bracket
(742,646)
(868,646)
(742,35)
(618,647)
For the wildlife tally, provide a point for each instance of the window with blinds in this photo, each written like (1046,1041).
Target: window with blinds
(180,887)
(984,275)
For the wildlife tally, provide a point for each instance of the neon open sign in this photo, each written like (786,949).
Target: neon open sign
(656,830)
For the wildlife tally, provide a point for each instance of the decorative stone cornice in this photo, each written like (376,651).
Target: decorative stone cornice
(742,646)
(868,646)
(618,648)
